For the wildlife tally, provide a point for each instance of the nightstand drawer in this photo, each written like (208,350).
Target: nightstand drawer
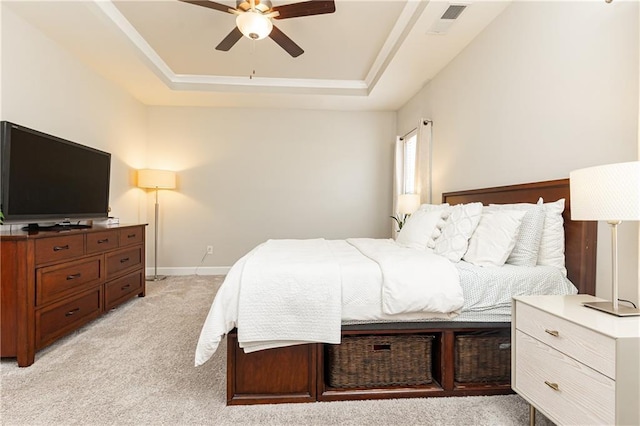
(589,347)
(583,396)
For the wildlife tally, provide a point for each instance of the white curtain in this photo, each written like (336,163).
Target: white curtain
(398,181)
(422,177)
(424,184)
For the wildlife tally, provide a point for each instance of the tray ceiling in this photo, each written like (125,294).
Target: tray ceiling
(368,55)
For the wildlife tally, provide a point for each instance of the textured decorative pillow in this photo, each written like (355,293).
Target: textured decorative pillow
(420,228)
(462,221)
(552,244)
(495,237)
(525,252)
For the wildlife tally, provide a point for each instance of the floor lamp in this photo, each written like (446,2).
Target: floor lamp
(156,179)
(612,193)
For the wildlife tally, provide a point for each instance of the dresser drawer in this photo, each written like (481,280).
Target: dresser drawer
(130,236)
(101,241)
(59,248)
(583,395)
(55,282)
(121,261)
(587,346)
(117,291)
(61,318)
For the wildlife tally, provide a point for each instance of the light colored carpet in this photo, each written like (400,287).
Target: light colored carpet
(135,366)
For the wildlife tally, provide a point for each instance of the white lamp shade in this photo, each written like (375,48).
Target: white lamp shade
(161,179)
(254,25)
(408,203)
(610,192)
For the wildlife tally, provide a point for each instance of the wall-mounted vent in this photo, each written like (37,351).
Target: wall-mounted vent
(442,25)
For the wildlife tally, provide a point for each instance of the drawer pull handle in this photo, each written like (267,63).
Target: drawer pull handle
(552,332)
(124,259)
(73,276)
(552,385)
(58,248)
(125,287)
(71,312)
(106,240)
(383,347)
(131,236)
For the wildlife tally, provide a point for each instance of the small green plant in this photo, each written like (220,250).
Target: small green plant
(399,221)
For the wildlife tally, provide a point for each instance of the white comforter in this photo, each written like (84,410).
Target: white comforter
(289,294)
(403,274)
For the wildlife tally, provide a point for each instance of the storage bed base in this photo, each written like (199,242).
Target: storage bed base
(298,373)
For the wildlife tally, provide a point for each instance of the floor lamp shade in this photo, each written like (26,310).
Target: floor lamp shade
(156,179)
(610,193)
(161,179)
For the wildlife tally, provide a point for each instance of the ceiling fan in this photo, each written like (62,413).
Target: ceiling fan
(254,17)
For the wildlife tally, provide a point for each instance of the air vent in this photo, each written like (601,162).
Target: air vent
(453,11)
(442,25)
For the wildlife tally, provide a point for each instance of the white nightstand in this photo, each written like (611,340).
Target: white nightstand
(575,364)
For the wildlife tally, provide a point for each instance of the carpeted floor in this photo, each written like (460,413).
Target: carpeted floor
(134,366)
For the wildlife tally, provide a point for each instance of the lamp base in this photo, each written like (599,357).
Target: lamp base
(622,311)
(155,278)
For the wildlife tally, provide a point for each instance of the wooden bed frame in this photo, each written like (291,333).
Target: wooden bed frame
(297,373)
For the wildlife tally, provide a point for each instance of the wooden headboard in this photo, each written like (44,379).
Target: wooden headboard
(580,236)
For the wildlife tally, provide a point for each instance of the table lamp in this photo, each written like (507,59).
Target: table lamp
(156,179)
(407,204)
(611,193)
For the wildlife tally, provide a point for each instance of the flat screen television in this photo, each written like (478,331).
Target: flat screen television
(48,179)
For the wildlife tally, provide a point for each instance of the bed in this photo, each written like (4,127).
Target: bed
(441,356)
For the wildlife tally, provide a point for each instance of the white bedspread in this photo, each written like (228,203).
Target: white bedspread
(290,293)
(359,276)
(413,280)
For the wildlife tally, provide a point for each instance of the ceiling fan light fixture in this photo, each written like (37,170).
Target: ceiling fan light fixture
(254,25)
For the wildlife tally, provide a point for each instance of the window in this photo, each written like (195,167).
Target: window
(410,146)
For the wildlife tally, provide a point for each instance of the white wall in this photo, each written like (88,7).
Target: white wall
(547,88)
(246,175)
(47,89)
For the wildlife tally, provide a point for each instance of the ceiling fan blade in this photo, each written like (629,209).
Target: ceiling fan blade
(285,42)
(210,4)
(305,8)
(230,40)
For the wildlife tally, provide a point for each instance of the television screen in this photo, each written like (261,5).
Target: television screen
(46,178)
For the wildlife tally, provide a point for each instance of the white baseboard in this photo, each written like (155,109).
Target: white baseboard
(191,270)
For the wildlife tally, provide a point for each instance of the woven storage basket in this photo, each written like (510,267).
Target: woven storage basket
(376,361)
(483,357)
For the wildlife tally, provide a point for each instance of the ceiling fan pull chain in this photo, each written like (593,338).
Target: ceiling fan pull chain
(253,59)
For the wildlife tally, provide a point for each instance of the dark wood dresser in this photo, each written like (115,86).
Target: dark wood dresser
(54,282)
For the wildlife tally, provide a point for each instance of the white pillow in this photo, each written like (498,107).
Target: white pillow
(495,237)
(525,252)
(462,221)
(420,228)
(552,244)
(432,207)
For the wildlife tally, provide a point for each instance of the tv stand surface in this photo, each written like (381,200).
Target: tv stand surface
(65,226)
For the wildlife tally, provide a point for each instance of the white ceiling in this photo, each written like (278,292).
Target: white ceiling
(368,55)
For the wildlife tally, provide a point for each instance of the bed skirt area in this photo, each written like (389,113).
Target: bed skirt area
(460,359)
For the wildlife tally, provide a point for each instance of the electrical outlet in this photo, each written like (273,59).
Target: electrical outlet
(209,249)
